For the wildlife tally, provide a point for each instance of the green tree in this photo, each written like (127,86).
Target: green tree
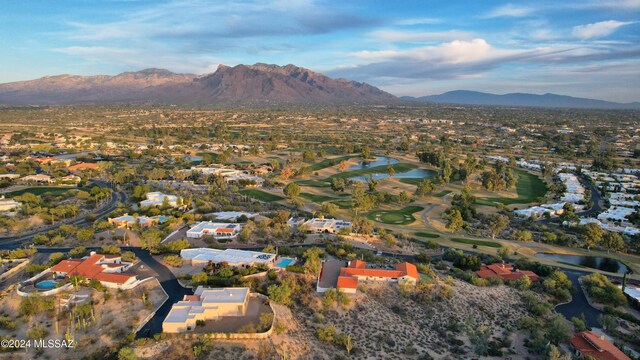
(454,220)
(612,241)
(403,198)
(592,234)
(292,190)
(557,329)
(126,353)
(497,223)
(366,152)
(424,187)
(84,235)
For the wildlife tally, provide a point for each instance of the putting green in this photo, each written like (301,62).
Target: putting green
(403,216)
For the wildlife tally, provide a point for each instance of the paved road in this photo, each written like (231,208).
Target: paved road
(596,198)
(579,304)
(13,242)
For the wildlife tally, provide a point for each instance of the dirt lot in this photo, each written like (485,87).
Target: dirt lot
(385,322)
(115,317)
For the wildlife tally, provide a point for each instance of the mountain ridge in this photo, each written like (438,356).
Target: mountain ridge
(258,83)
(550,100)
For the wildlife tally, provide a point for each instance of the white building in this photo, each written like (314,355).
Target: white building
(218,230)
(156,198)
(616,213)
(233,215)
(37,178)
(205,304)
(8,204)
(233,257)
(327,225)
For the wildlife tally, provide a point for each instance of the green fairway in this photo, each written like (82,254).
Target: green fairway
(313,183)
(208,156)
(442,193)
(329,163)
(343,204)
(529,188)
(410,181)
(316,198)
(492,244)
(399,168)
(403,216)
(261,195)
(427,235)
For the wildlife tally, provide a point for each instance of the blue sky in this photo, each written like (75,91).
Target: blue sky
(587,48)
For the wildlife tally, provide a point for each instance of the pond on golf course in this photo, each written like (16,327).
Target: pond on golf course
(383,161)
(594,262)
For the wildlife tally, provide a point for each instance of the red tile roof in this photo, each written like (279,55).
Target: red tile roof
(505,271)
(349,275)
(113,278)
(89,268)
(191,298)
(347,282)
(224,230)
(66,266)
(590,344)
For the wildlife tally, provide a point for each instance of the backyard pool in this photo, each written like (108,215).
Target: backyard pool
(46,284)
(284,262)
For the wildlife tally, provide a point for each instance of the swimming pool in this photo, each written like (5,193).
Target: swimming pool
(284,262)
(46,285)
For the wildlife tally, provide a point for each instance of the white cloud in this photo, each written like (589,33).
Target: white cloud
(420,36)
(599,29)
(510,10)
(454,52)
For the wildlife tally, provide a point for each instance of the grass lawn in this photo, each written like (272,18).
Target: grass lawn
(399,168)
(410,181)
(313,183)
(316,198)
(343,204)
(208,156)
(442,193)
(529,187)
(39,190)
(329,162)
(427,235)
(261,195)
(492,244)
(403,216)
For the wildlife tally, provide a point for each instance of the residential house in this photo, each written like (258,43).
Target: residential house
(157,198)
(321,225)
(8,204)
(41,178)
(232,257)
(128,221)
(356,271)
(505,271)
(108,269)
(217,230)
(589,344)
(205,304)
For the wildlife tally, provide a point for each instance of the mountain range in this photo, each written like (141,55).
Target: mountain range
(259,83)
(250,84)
(521,99)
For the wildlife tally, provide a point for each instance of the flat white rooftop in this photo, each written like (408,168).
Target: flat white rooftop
(231,256)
